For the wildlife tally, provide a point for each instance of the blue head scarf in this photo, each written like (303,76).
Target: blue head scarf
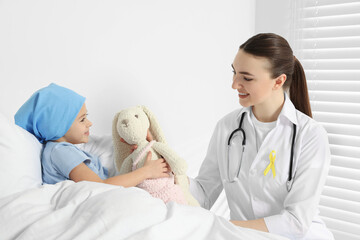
(49,112)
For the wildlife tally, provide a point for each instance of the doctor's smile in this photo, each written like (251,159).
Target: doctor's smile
(243,95)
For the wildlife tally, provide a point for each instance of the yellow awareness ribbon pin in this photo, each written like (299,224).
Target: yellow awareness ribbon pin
(271,165)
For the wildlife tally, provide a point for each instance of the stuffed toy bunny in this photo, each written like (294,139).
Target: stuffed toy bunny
(132,125)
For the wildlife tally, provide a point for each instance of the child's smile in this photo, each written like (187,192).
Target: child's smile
(79,130)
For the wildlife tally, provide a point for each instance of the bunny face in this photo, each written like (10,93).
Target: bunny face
(132,125)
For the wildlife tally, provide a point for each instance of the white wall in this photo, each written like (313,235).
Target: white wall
(273,16)
(172,56)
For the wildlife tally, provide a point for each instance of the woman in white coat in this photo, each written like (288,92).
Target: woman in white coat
(270,156)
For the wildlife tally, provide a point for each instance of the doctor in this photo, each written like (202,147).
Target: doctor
(270,156)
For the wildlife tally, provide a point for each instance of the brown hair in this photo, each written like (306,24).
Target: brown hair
(282,61)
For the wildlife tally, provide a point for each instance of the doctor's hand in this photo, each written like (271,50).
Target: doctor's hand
(257,224)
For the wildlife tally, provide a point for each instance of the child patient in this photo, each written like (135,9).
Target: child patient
(57,116)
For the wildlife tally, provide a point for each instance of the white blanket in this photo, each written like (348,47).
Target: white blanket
(88,210)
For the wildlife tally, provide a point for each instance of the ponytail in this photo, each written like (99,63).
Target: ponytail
(299,95)
(280,56)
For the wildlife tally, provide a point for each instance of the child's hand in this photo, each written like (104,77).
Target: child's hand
(156,168)
(133,147)
(149,138)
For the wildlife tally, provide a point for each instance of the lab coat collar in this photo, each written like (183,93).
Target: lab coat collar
(288,111)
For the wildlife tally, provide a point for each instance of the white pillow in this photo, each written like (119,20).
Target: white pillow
(20,154)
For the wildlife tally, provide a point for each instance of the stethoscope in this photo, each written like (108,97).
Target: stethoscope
(290,177)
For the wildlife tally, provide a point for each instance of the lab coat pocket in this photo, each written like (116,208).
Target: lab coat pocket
(276,184)
(238,198)
(234,191)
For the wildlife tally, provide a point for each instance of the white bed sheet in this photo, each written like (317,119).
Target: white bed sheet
(88,210)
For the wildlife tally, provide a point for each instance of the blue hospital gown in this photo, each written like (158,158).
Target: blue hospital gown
(60,158)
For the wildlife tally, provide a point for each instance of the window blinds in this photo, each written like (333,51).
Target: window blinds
(326,39)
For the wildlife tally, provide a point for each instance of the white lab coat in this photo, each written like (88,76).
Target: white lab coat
(292,214)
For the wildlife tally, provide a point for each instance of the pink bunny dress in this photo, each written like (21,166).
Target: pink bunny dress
(163,188)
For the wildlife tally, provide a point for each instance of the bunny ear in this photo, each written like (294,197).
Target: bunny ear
(154,126)
(121,150)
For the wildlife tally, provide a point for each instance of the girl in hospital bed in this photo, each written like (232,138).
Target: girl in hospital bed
(57,116)
(270,156)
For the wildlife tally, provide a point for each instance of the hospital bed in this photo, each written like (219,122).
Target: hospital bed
(88,210)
